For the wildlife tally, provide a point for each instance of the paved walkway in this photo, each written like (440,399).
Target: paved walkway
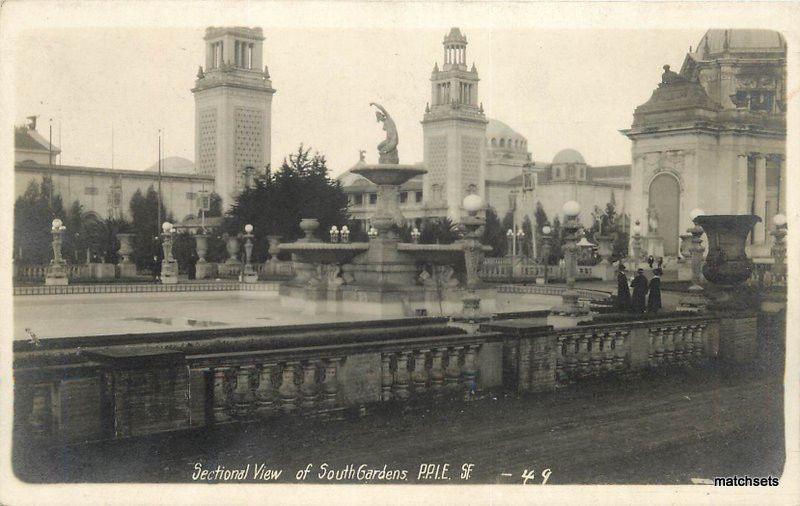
(660,429)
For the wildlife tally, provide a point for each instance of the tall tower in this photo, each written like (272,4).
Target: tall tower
(454,133)
(233,109)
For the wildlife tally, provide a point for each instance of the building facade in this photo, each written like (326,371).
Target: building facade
(453,132)
(713,137)
(233,124)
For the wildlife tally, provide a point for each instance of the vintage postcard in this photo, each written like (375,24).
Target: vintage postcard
(412,252)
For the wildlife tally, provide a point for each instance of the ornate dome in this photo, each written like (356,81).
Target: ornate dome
(568,156)
(741,41)
(501,136)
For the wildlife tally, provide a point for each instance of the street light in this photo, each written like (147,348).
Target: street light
(334,233)
(345,233)
(372,233)
(415,233)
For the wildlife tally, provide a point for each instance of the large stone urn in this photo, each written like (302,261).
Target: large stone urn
(309,226)
(202,269)
(232,247)
(726,262)
(127,269)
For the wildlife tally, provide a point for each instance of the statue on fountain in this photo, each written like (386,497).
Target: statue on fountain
(387,149)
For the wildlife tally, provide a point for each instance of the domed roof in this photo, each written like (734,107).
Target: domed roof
(174,164)
(741,41)
(497,129)
(568,156)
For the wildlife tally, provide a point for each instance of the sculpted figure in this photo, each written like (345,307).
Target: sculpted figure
(387,149)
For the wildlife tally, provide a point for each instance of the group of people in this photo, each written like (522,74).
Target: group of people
(646,294)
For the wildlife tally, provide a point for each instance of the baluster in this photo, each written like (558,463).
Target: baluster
(309,388)
(658,354)
(39,419)
(221,390)
(420,375)
(243,394)
(700,339)
(608,351)
(691,345)
(571,363)
(651,354)
(470,370)
(401,377)
(619,349)
(453,371)
(561,357)
(680,344)
(331,385)
(596,353)
(669,344)
(288,390)
(387,379)
(583,354)
(265,393)
(437,371)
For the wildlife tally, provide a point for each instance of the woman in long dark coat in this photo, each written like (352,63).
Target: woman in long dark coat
(654,296)
(639,285)
(623,292)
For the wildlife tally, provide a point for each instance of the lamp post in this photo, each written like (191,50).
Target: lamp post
(372,233)
(569,313)
(520,242)
(473,226)
(334,234)
(510,243)
(415,233)
(546,248)
(779,248)
(250,274)
(169,271)
(696,249)
(56,273)
(344,233)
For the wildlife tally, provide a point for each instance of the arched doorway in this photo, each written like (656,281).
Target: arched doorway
(665,199)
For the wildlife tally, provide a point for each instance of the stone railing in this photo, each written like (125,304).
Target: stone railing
(555,290)
(279,269)
(538,358)
(525,270)
(78,389)
(34,273)
(73,390)
(195,286)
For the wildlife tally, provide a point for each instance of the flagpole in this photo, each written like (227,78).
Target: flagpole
(158,222)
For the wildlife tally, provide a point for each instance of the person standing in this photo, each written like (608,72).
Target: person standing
(639,285)
(623,292)
(654,295)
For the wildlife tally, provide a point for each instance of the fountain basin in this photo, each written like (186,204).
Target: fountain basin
(389,174)
(435,253)
(325,252)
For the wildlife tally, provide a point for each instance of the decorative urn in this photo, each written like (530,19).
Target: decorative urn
(726,261)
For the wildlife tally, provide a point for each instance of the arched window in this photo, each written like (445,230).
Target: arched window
(502,143)
(494,142)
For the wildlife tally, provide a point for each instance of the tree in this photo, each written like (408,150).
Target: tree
(276,203)
(527,242)
(556,251)
(146,228)
(34,213)
(540,217)
(494,235)
(438,231)
(215,205)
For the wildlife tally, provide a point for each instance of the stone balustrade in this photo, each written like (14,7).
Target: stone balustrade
(526,270)
(71,390)
(537,357)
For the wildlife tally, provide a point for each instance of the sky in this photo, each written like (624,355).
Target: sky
(560,88)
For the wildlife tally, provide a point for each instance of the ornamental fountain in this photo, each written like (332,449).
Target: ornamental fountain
(383,276)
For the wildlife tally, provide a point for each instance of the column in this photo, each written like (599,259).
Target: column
(740,205)
(760,198)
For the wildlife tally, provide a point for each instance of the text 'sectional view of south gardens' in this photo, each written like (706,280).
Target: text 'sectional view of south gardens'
(464,310)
